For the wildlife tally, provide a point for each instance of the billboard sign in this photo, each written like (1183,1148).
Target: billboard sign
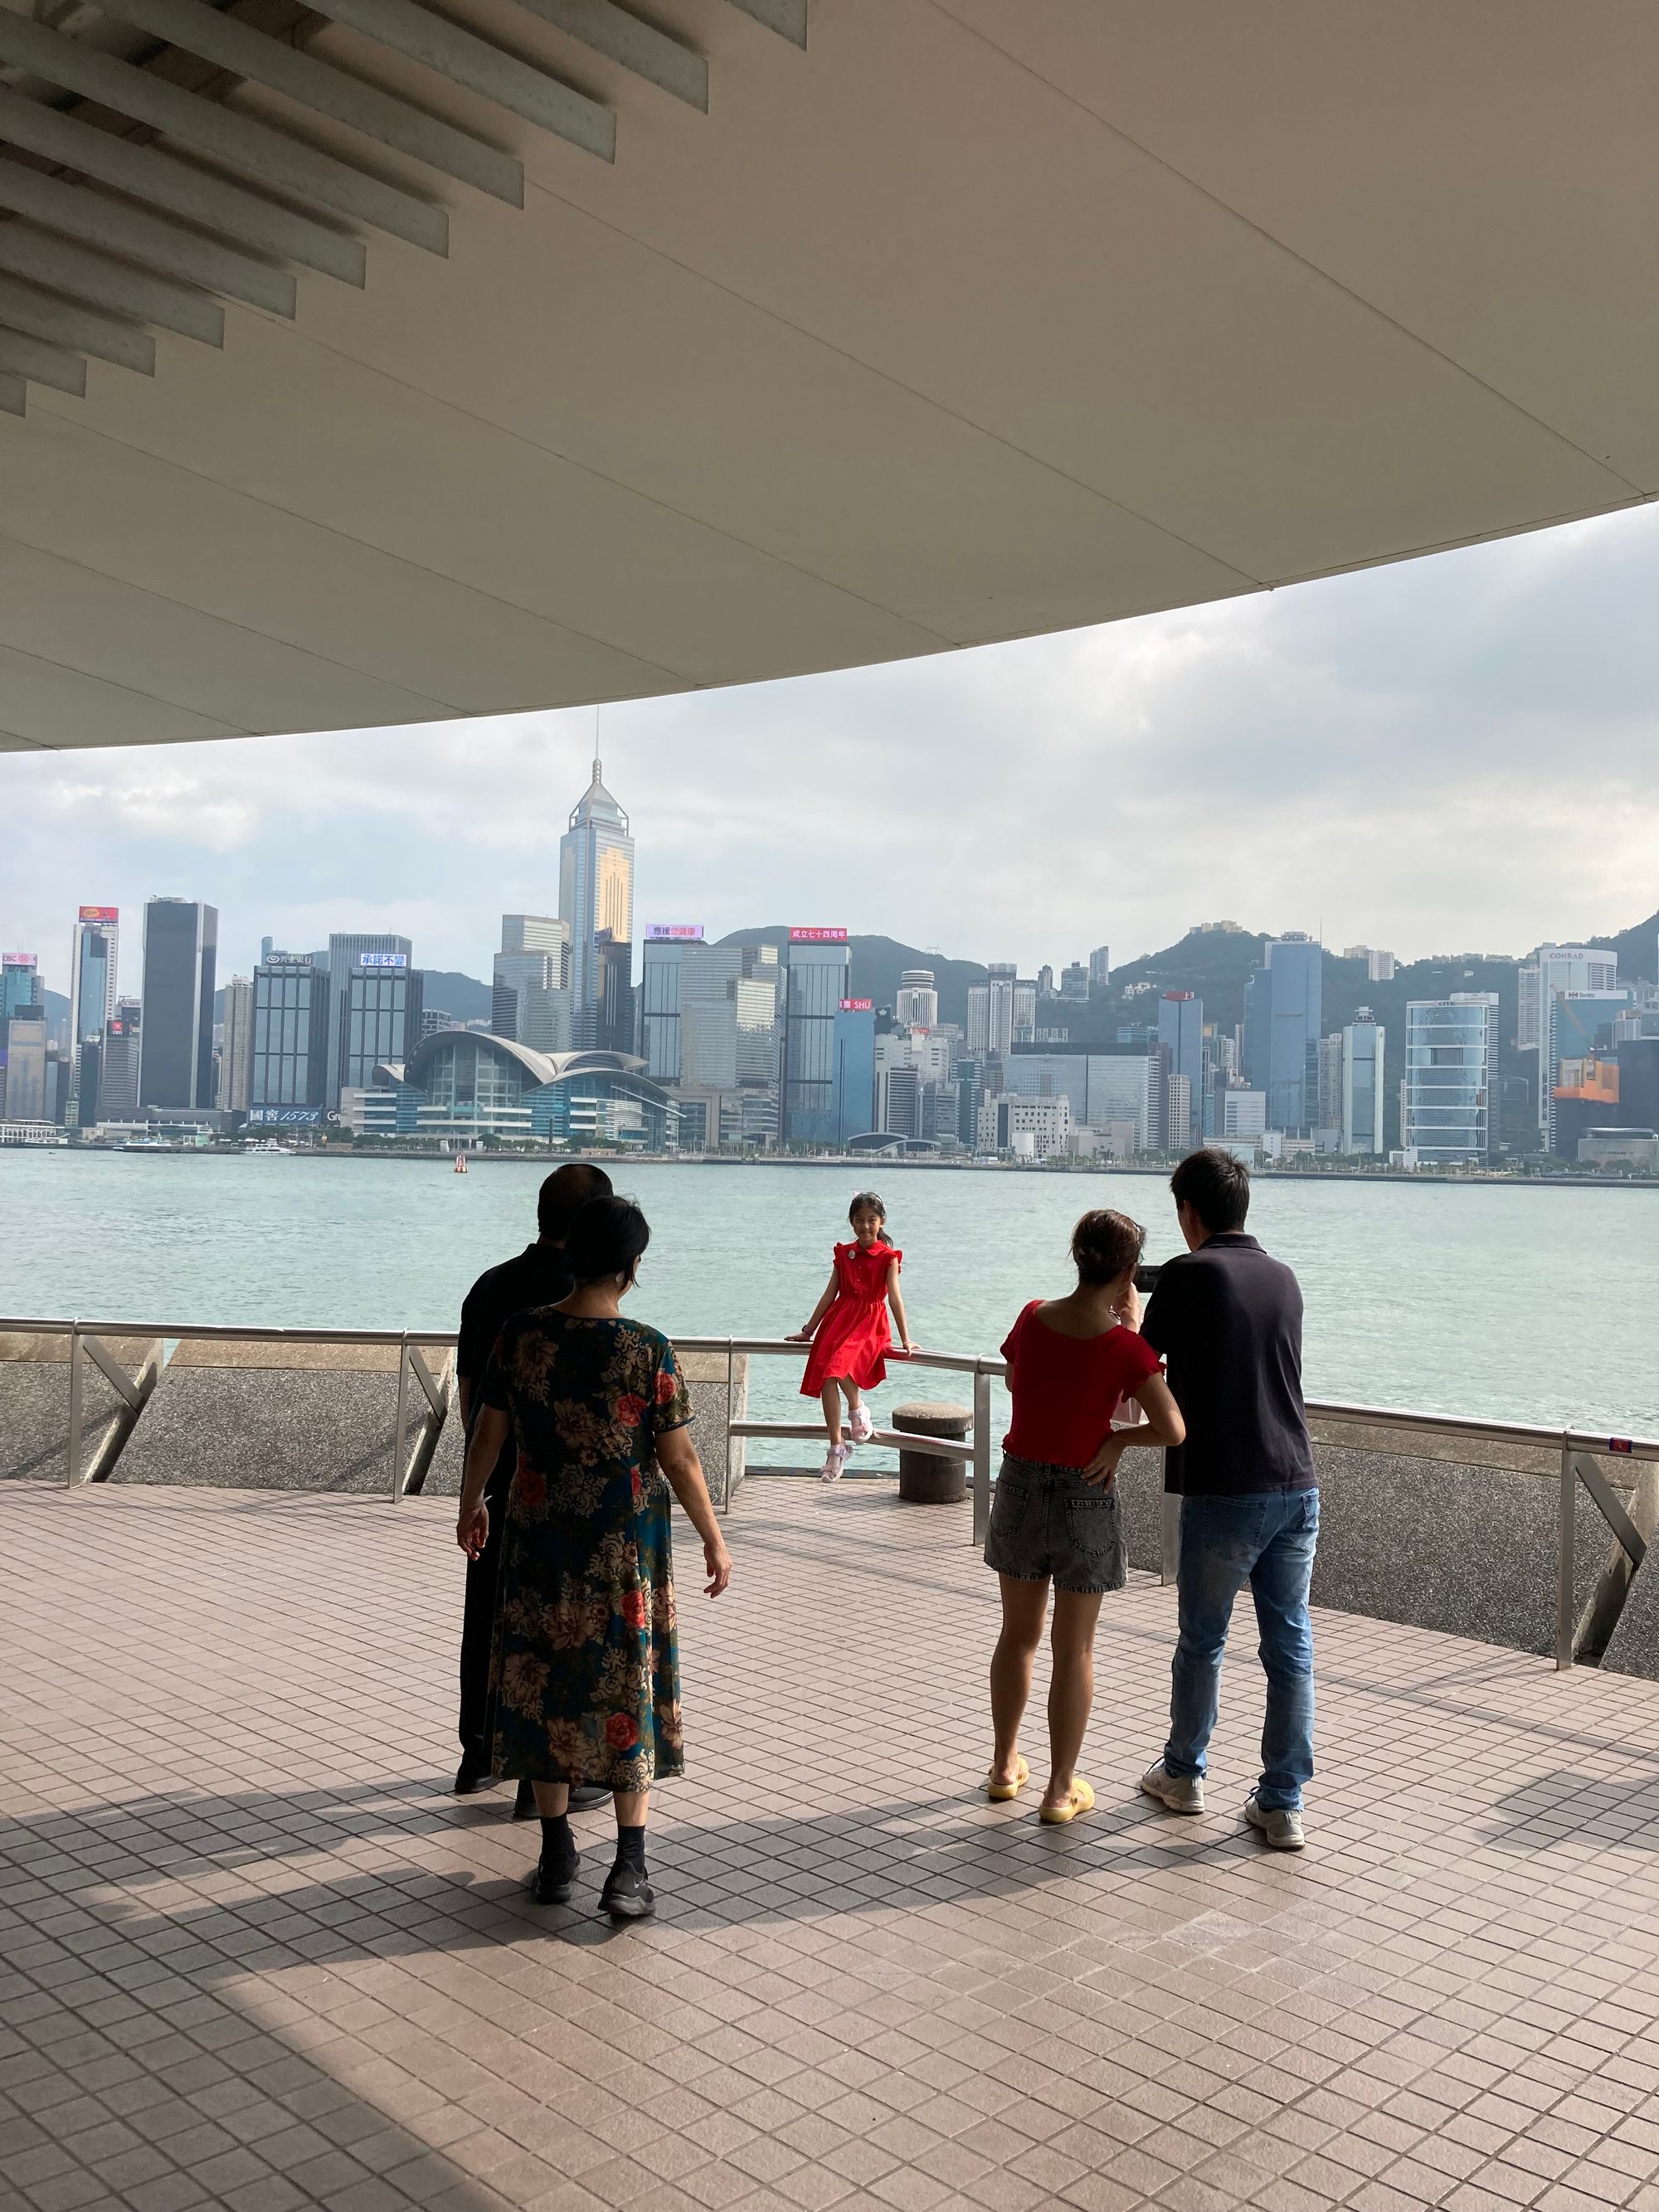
(20,959)
(661,933)
(383,960)
(284,1117)
(100,914)
(818,936)
(858,1006)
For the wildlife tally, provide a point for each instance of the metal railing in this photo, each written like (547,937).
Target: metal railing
(1574,1452)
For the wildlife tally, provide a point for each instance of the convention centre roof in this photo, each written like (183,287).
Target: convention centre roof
(373,363)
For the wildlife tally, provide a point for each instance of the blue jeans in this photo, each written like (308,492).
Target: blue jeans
(1268,1540)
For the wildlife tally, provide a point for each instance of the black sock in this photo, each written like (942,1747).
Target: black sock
(557,1842)
(630,1846)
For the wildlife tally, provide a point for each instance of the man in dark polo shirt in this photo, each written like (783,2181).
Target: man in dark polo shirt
(536,1278)
(1228,1319)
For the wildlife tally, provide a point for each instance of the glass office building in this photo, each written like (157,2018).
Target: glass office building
(1285,1031)
(94,949)
(1362,1088)
(596,895)
(175,1050)
(815,983)
(290,1032)
(1180,1028)
(1445,1099)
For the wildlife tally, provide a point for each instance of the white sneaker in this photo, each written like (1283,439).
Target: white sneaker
(861,1427)
(1178,1793)
(833,1460)
(1281,1825)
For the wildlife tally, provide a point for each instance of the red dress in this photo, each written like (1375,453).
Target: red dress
(852,1338)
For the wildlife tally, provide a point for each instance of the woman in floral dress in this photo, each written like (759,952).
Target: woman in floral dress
(586,1666)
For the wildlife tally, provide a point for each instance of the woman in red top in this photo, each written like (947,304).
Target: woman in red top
(1055,1514)
(849,1330)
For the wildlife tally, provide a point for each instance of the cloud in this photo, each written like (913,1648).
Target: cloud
(1451,754)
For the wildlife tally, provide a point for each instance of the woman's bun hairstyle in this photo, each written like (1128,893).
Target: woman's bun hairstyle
(606,1239)
(1106,1245)
(869,1198)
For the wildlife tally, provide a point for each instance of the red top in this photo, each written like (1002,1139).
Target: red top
(1067,1389)
(854,1338)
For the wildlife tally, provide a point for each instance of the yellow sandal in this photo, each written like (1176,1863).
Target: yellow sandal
(1082,1800)
(1000,1792)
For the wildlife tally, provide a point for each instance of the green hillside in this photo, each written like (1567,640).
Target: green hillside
(878,963)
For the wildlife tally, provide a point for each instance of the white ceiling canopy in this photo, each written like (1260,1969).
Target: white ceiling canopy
(381,361)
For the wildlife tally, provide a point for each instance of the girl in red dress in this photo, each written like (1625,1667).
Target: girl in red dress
(848,1331)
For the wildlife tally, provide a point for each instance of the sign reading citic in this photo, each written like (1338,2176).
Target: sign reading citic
(858,1006)
(100,914)
(657,931)
(383,960)
(818,936)
(19,960)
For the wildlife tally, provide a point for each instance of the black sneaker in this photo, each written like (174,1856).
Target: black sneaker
(627,1895)
(524,1805)
(585,1796)
(557,1878)
(470,1777)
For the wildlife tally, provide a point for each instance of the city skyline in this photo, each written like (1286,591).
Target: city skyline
(1285,760)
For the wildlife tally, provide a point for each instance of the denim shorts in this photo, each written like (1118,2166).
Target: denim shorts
(1047,1523)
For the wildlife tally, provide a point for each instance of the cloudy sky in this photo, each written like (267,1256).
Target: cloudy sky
(1456,755)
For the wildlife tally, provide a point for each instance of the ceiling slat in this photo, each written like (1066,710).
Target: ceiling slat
(156,177)
(22,307)
(207,127)
(301,77)
(42,363)
(91,277)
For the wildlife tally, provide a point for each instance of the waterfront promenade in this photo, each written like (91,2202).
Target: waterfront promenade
(256,1956)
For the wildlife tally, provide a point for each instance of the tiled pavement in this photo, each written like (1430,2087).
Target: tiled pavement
(254,1955)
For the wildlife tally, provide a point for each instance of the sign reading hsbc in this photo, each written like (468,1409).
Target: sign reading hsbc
(858,1006)
(657,931)
(383,960)
(100,914)
(818,936)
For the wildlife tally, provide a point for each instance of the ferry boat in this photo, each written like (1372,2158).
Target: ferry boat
(268,1148)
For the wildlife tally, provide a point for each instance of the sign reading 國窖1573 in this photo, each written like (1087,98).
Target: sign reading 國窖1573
(818,936)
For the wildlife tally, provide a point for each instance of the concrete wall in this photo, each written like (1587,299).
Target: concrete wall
(34,1395)
(240,1415)
(1421,1529)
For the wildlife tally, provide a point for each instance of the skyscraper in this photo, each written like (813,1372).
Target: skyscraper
(1283,1005)
(668,946)
(596,894)
(175,1052)
(1577,1026)
(1100,967)
(375,1007)
(529,992)
(916,1003)
(236,1047)
(93,988)
(991,1011)
(1554,968)
(26,1096)
(20,985)
(1445,1095)
(1181,1027)
(1362,1085)
(819,961)
(613,1013)
(117,1067)
(289,1065)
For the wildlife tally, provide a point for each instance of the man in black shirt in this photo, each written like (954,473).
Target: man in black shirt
(536,1278)
(1228,1319)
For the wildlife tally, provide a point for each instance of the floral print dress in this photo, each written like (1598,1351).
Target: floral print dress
(585,1663)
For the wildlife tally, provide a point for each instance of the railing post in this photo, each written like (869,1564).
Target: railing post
(402,1418)
(981,1457)
(726,1486)
(77,1376)
(1566,1558)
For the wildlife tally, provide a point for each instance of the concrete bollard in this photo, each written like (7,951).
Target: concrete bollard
(924,1479)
